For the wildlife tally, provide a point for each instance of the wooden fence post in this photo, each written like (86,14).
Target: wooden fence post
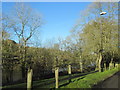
(56,76)
(110,65)
(105,67)
(69,72)
(116,65)
(29,79)
(81,67)
(69,69)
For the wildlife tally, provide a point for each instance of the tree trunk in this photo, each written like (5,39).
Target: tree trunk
(97,66)
(29,79)
(21,52)
(100,60)
(114,64)
(23,71)
(11,76)
(7,77)
(24,55)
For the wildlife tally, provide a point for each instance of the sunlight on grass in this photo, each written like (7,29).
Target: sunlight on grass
(86,81)
(89,80)
(37,83)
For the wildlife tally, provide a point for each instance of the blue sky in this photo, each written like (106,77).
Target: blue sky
(59,17)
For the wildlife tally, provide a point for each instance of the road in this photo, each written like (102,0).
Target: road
(111,82)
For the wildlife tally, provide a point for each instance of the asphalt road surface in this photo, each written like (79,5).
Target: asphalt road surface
(111,82)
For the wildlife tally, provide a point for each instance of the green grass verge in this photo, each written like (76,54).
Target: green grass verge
(89,80)
(36,83)
(81,82)
(63,81)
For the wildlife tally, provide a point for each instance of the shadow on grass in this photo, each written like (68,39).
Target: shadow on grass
(69,81)
(72,77)
(80,78)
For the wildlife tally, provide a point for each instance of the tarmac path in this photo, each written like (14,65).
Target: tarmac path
(111,82)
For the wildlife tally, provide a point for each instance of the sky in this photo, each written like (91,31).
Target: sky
(59,17)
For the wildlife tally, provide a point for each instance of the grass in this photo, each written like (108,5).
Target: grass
(89,80)
(37,83)
(86,81)
(63,82)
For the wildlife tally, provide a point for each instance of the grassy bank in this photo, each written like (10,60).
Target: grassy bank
(37,83)
(89,80)
(86,81)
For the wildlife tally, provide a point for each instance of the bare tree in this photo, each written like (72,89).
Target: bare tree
(25,22)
